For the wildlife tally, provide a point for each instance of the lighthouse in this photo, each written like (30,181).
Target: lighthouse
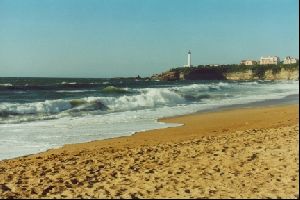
(189,64)
(189,59)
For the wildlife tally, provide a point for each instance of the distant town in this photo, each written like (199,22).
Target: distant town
(268,60)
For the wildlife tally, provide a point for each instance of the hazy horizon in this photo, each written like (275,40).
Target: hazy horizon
(127,38)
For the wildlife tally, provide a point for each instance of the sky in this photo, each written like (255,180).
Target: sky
(113,38)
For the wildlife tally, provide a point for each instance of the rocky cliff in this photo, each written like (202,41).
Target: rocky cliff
(282,74)
(278,73)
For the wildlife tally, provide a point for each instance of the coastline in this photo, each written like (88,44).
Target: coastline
(137,158)
(288,100)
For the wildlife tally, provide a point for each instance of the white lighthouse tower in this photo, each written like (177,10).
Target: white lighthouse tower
(189,61)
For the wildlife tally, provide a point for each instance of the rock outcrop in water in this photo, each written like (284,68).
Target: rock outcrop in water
(231,72)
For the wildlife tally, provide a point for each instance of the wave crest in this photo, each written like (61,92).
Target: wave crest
(114,90)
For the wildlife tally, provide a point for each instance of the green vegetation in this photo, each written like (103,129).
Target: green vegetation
(256,69)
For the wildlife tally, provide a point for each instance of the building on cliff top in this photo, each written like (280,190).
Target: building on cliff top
(270,60)
(248,62)
(290,60)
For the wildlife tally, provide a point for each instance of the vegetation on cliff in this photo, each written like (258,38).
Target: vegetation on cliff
(234,68)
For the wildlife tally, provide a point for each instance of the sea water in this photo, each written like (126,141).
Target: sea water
(37,114)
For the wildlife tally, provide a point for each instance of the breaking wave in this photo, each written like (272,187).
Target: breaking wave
(6,85)
(58,86)
(147,98)
(114,90)
(115,99)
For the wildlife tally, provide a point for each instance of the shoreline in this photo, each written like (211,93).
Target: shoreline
(186,162)
(278,103)
(288,100)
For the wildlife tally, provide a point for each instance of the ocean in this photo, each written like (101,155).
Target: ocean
(37,114)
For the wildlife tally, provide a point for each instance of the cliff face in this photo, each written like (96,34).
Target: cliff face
(247,75)
(290,74)
(283,74)
(261,74)
(167,76)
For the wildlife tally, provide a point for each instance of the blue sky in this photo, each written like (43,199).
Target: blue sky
(108,38)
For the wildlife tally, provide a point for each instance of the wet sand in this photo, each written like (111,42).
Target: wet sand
(240,153)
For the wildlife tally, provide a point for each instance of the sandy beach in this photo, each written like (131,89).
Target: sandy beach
(237,153)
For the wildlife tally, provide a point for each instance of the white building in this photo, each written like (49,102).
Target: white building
(248,62)
(189,61)
(290,60)
(270,60)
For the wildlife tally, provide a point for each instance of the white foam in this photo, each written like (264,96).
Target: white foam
(6,84)
(66,83)
(74,91)
(48,106)
(149,98)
